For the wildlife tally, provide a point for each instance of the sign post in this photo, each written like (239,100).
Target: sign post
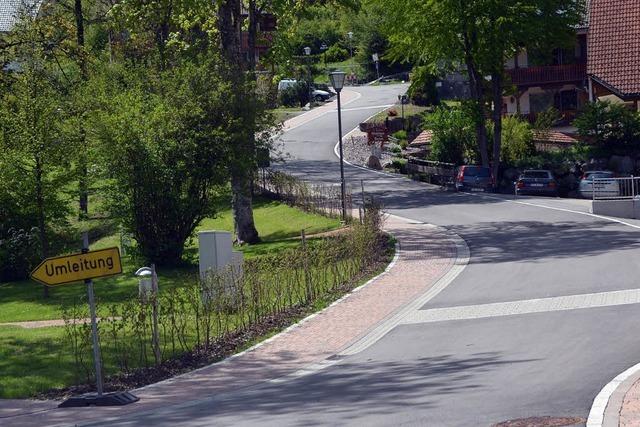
(376,60)
(86,266)
(97,358)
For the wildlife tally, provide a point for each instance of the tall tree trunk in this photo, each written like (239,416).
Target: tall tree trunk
(496,82)
(477,94)
(42,227)
(252,35)
(83,178)
(230,24)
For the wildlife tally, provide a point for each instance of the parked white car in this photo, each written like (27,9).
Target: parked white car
(600,182)
(317,95)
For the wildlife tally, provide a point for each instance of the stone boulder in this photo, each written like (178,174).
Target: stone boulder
(374,163)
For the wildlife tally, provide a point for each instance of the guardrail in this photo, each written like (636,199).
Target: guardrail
(615,188)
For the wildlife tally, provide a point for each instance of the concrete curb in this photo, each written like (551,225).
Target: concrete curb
(605,410)
(463,256)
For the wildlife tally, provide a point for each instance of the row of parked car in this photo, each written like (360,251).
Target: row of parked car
(536,182)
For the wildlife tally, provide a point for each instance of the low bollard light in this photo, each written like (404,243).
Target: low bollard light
(145,283)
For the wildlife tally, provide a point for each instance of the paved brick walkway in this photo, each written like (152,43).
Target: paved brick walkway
(426,254)
(630,410)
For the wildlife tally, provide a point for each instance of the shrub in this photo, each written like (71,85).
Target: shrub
(453,135)
(423,89)
(336,54)
(296,95)
(609,124)
(400,135)
(19,253)
(212,316)
(399,164)
(517,140)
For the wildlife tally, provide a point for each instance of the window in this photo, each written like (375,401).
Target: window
(540,102)
(566,100)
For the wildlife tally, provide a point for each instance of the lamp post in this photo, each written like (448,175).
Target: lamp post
(307,53)
(324,49)
(350,34)
(337,81)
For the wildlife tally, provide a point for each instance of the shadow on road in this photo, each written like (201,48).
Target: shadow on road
(364,387)
(534,241)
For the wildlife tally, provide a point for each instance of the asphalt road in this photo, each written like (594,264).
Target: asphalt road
(470,372)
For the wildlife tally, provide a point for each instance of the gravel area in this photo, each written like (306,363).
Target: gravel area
(357,151)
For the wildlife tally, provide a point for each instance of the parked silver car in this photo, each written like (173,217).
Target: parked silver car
(600,182)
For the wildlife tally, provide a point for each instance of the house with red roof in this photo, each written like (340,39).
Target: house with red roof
(603,63)
(613,66)
(550,79)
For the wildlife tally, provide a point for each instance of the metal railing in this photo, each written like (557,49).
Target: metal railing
(614,188)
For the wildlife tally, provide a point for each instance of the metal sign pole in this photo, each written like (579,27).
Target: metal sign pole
(94,324)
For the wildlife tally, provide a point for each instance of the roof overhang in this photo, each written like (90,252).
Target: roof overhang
(614,90)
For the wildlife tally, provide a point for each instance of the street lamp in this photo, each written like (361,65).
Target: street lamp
(337,81)
(350,34)
(307,53)
(323,49)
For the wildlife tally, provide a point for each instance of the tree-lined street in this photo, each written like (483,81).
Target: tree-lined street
(463,358)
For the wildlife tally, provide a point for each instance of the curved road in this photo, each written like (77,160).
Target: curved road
(532,326)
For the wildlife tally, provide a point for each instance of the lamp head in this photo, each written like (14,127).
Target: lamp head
(337,80)
(307,51)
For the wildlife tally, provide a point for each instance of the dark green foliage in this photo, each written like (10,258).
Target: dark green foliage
(423,89)
(610,125)
(336,54)
(19,253)
(295,95)
(399,164)
(164,141)
(453,135)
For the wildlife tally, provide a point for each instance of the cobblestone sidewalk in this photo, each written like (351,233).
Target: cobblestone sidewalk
(426,254)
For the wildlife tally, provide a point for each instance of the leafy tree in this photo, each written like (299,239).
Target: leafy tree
(36,158)
(164,140)
(479,35)
(611,125)
(423,89)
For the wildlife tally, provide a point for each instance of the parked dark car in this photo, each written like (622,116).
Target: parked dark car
(537,182)
(474,178)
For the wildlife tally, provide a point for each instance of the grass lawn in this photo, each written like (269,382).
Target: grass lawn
(347,66)
(278,224)
(33,359)
(285,113)
(36,360)
(409,110)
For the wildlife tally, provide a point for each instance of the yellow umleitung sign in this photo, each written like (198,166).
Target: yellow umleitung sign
(77,267)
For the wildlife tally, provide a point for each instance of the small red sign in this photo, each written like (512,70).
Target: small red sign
(377,134)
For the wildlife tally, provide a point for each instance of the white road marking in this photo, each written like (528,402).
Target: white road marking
(377,107)
(323,113)
(606,218)
(540,305)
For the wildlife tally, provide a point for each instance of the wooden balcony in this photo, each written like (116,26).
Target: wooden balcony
(548,75)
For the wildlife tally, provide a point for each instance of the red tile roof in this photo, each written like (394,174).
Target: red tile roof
(554,137)
(614,45)
(423,139)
